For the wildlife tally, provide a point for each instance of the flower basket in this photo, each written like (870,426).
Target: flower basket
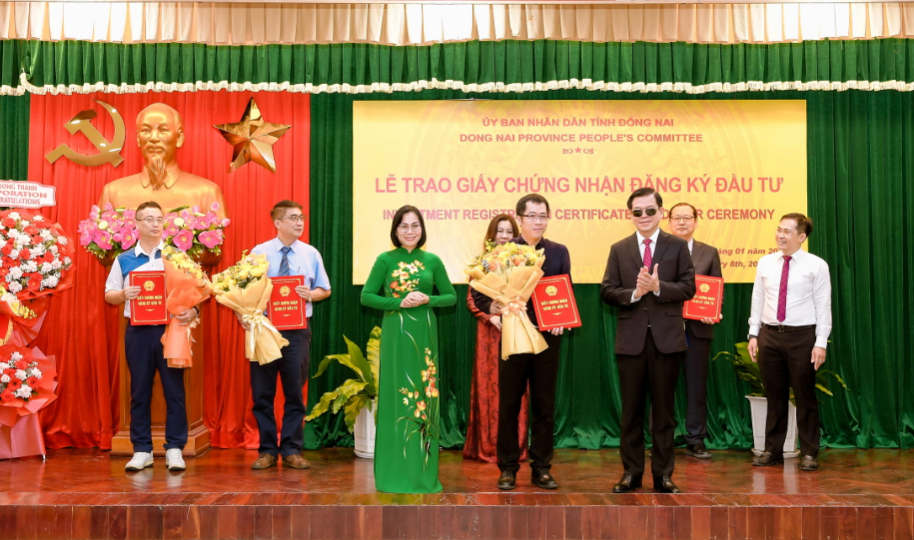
(198,234)
(108,232)
(29,385)
(207,258)
(107,260)
(36,255)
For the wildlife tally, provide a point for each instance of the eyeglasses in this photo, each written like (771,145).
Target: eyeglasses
(649,211)
(296,218)
(153,220)
(535,218)
(405,227)
(682,219)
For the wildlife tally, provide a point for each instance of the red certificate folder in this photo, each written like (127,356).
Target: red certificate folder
(709,296)
(553,300)
(149,307)
(287,309)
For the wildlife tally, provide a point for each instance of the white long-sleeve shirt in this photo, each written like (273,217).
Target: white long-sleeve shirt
(808,294)
(641,248)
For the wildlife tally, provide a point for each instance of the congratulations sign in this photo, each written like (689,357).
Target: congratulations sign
(16,194)
(742,164)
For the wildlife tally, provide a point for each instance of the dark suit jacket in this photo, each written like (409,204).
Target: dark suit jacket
(557,262)
(662,313)
(706,260)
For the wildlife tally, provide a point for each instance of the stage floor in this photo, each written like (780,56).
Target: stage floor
(87,494)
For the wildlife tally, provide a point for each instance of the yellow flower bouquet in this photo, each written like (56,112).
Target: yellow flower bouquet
(245,288)
(187,286)
(508,274)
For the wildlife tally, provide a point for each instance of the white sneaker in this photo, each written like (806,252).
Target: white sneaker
(140,461)
(174,460)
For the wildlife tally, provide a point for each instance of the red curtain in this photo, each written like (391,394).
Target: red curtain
(81,328)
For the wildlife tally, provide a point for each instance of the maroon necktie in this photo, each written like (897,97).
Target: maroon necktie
(648,259)
(782,293)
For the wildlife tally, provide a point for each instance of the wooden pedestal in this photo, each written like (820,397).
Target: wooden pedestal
(198,434)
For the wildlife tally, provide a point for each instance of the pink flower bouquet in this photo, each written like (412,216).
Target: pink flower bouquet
(108,233)
(194,232)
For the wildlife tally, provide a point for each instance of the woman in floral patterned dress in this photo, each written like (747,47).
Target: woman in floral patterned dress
(482,425)
(401,283)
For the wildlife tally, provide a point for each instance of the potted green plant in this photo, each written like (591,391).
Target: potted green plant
(749,371)
(356,397)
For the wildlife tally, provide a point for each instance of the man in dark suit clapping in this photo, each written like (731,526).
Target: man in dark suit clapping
(706,259)
(648,276)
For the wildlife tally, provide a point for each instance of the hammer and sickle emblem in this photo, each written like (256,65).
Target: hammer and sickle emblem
(108,151)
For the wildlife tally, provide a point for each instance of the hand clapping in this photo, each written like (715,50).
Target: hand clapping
(647,282)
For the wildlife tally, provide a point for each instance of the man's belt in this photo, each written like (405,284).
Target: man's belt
(782,328)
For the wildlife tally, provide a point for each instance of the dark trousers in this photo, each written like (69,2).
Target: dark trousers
(785,359)
(143,349)
(291,369)
(541,371)
(695,369)
(655,373)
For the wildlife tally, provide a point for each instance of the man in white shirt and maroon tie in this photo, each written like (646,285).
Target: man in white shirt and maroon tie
(788,332)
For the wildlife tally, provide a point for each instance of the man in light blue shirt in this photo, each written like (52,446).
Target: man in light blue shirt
(288,256)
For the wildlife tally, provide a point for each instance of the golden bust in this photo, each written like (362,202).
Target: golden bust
(160,132)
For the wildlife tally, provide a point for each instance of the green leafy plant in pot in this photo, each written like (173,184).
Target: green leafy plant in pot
(357,393)
(749,371)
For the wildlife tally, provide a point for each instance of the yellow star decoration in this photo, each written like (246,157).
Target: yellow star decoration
(252,138)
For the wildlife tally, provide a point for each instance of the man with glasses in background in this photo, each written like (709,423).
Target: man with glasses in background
(540,370)
(648,277)
(288,256)
(143,348)
(706,259)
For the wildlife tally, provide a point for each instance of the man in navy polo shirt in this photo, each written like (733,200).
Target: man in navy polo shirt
(143,348)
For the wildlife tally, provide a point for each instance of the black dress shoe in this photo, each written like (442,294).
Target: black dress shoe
(809,463)
(768,459)
(544,480)
(627,484)
(665,484)
(698,451)
(507,480)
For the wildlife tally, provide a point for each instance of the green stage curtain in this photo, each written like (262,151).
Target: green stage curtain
(861,187)
(14,137)
(511,65)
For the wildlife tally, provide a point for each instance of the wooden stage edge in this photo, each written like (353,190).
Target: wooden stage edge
(85,494)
